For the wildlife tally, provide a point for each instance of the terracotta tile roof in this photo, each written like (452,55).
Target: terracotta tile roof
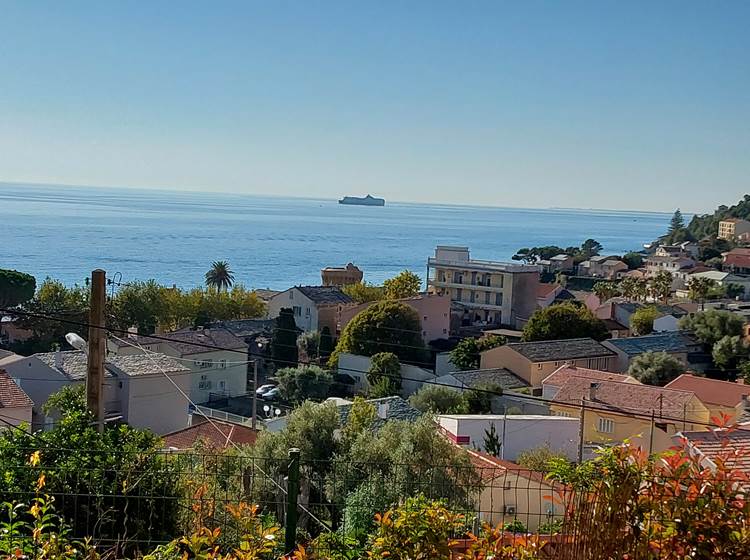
(738,257)
(207,432)
(628,397)
(711,391)
(11,395)
(730,446)
(544,290)
(554,350)
(491,468)
(563,373)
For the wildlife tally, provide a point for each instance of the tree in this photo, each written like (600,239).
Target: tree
(467,353)
(479,399)
(405,284)
(492,443)
(564,321)
(284,339)
(385,372)
(540,458)
(15,287)
(362,292)
(676,224)
(386,326)
(327,343)
(728,351)
(219,276)
(698,289)
(633,260)
(605,290)
(660,286)
(642,321)
(655,368)
(308,346)
(302,383)
(439,400)
(711,326)
(590,248)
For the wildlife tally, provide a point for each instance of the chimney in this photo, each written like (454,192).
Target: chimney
(592,391)
(383,410)
(58,359)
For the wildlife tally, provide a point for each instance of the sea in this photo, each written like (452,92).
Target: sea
(64,232)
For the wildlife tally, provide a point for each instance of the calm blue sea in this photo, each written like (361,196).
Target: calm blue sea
(65,232)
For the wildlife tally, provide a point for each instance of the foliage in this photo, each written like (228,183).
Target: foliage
(304,382)
(588,248)
(467,353)
(699,287)
(362,292)
(660,285)
(494,543)
(677,232)
(728,351)
(308,346)
(327,343)
(479,399)
(551,527)
(707,225)
(711,326)
(633,260)
(642,321)
(386,326)
(405,284)
(539,458)
(219,276)
(419,528)
(655,368)
(492,443)
(385,373)
(564,321)
(605,290)
(635,289)
(284,339)
(515,526)
(439,400)
(15,287)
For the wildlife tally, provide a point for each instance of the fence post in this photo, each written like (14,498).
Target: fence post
(292,488)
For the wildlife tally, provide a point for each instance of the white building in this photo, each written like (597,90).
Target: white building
(356,367)
(314,307)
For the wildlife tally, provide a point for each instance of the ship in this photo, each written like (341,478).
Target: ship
(363,201)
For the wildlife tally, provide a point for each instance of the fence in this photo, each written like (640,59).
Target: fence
(132,502)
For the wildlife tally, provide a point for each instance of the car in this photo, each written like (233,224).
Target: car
(272,395)
(263,389)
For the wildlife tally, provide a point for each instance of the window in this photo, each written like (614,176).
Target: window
(307,311)
(222,385)
(539,366)
(445,331)
(499,299)
(205,364)
(291,294)
(204,384)
(487,298)
(222,364)
(297,311)
(459,293)
(563,414)
(606,425)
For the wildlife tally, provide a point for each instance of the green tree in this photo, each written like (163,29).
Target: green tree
(386,326)
(467,353)
(362,292)
(385,373)
(140,304)
(308,346)
(633,260)
(590,248)
(563,321)
(676,224)
(605,290)
(302,383)
(728,351)
(492,443)
(711,326)
(660,286)
(540,458)
(219,276)
(403,285)
(479,399)
(655,368)
(15,288)
(439,400)
(327,343)
(642,321)
(284,339)
(698,289)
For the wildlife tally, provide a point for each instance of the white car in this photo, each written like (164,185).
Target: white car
(263,389)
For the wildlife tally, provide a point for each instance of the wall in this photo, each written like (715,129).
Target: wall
(358,366)
(522,298)
(154,403)
(666,323)
(443,364)
(16,416)
(291,298)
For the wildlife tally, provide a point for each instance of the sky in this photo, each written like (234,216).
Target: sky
(600,104)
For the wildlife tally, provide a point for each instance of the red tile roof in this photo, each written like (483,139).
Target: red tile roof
(491,468)
(711,391)
(730,446)
(11,395)
(738,257)
(545,290)
(209,434)
(563,373)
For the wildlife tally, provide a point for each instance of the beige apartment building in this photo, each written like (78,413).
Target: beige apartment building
(483,292)
(732,228)
(341,275)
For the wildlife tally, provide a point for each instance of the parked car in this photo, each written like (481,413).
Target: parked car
(272,395)
(263,389)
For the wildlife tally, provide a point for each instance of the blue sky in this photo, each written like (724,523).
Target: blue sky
(637,105)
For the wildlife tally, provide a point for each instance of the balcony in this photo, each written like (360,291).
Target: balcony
(473,264)
(479,305)
(462,286)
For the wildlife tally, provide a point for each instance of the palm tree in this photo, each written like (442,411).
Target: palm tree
(605,290)
(660,286)
(627,287)
(219,276)
(699,288)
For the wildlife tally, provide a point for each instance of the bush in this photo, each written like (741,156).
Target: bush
(655,368)
(562,321)
(439,400)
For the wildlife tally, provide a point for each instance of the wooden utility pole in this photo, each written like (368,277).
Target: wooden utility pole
(581,431)
(651,434)
(255,394)
(97,347)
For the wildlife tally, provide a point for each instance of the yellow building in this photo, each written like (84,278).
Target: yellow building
(483,292)
(722,398)
(614,411)
(341,275)
(732,228)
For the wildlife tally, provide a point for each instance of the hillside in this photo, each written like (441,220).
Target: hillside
(708,224)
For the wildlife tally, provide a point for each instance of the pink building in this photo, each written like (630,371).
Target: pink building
(434,311)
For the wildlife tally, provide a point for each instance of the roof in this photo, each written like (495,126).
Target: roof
(561,257)
(559,350)
(632,307)
(387,408)
(11,395)
(209,434)
(733,220)
(191,341)
(325,294)
(730,446)
(613,325)
(660,342)
(712,274)
(246,327)
(490,468)
(5,353)
(496,376)
(738,257)
(75,364)
(711,391)
(563,373)
(621,396)
(544,290)
(265,294)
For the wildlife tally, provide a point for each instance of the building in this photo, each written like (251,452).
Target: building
(16,405)
(730,447)
(510,492)
(479,378)
(678,267)
(314,307)
(558,263)
(11,332)
(677,344)
(723,398)
(483,292)
(352,371)
(215,435)
(737,261)
(216,357)
(731,228)
(685,249)
(341,275)
(615,411)
(138,389)
(534,361)
(434,313)
(552,383)
(724,279)
(602,266)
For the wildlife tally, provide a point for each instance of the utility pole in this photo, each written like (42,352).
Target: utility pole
(255,393)
(651,435)
(505,419)
(97,347)
(581,431)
